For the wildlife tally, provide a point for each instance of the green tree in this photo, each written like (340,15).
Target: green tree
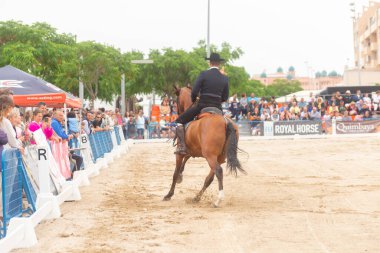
(281,87)
(99,70)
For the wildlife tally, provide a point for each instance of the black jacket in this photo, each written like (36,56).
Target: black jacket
(212,86)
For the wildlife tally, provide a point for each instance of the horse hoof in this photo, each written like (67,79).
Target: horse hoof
(166,198)
(179,180)
(196,199)
(214,205)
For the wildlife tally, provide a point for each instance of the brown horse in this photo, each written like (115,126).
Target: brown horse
(213,137)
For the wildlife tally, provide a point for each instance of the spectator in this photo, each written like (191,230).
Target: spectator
(265,109)
(337,116)
(275,116)
(348,98)
(364,109)
(305,114)
(255,117)
(165,109)
(302,103)
(338,98)
(334,107)
(252,97)
(5,125)
(244,105)
(98,122)
(37,120)
(125,124)
(73,128)
(367,100)
(367,115)
(48,130)
(73,124)
(131,126)
(118,117)
(88,122)
(294,108)
(164,129)
(357,96)
(42,107)
(319,104)
(251,107)
(352,109)
(342,107)
(315,114)
(376,101)
(234,97)
(56,124)
(140,124)
(3,141)
(15,119)
(234,108)
(346,117)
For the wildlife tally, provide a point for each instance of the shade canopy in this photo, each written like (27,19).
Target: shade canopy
(29,90)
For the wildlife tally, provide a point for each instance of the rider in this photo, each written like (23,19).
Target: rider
(212,85)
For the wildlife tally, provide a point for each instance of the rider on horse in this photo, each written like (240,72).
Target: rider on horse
(213,88)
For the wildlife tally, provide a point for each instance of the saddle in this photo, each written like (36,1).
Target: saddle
(205,112)
(209,111)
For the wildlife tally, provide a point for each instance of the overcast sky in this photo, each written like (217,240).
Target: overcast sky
(272,33)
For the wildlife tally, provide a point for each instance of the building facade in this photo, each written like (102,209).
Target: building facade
(366,31)
(307,83)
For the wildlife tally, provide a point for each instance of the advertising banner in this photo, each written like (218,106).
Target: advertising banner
(355,127)
(282,128)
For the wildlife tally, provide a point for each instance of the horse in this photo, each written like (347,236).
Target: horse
(212,137)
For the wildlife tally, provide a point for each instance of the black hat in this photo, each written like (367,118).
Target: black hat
(214,57)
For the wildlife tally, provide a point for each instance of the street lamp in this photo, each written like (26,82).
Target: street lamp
(208,30)
(122,84)
(308,72)
(355,21)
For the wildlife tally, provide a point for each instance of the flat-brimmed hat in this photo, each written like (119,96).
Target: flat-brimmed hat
(214,57)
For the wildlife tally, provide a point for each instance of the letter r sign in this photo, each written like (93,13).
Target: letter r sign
(42,153)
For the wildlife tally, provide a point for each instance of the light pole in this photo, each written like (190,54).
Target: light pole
(308,73)
(122,84)
(355,26)
(208,30)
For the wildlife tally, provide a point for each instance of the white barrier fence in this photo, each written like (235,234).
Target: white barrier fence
(21,230)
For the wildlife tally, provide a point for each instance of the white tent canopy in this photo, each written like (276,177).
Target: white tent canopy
(300,94)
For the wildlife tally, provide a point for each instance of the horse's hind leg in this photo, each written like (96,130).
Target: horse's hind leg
(178,163)
(219,176)
(180,176)
(212,162)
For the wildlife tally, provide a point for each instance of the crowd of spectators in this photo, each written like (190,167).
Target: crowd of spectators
(16,128)
(346,107)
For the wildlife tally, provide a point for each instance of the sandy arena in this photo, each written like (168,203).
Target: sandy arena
(305,195)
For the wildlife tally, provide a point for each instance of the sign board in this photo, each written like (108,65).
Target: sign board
(283,128)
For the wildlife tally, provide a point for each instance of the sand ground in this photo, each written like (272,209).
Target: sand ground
(299,196)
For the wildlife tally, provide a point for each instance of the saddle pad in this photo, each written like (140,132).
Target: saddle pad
(212,110)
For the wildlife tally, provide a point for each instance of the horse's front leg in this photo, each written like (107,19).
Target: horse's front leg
(179,159)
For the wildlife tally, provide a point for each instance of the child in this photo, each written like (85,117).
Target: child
(48,130)
(73,123)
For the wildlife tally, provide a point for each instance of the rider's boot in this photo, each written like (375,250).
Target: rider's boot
(181,145)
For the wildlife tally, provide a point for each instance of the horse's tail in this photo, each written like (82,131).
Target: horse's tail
(233,164)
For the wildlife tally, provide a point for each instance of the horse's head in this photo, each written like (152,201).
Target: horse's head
(183,97)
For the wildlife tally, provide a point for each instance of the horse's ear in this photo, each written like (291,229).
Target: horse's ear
(176,89)
(189,86)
